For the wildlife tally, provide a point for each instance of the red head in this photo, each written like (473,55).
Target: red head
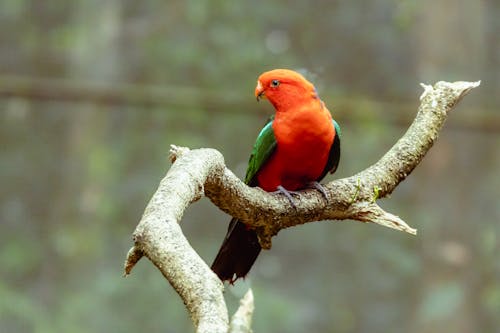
(284,88)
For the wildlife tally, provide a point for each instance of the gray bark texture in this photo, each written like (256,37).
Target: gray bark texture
(202,172)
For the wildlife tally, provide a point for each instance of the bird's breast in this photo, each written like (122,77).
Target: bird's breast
(304,139)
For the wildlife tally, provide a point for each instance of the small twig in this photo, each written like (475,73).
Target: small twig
(133,256)
(241,322)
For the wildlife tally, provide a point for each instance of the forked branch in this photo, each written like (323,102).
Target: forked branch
(199,172)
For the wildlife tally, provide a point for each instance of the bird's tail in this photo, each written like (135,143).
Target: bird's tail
(237,253)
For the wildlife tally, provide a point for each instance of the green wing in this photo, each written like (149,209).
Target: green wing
(263,148)
(334,155)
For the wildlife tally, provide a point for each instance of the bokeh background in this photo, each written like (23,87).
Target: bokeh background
(92,93)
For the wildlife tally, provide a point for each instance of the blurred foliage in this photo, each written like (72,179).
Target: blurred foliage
(76,176)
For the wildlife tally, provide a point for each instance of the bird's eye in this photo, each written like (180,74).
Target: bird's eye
(275,83)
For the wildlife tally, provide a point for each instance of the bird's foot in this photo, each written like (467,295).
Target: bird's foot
(288,194)
(319,187)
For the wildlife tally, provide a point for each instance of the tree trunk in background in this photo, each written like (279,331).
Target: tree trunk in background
(451,45)
(450,39)
(96,56)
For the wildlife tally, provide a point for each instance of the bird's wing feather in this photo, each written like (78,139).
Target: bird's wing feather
(334,155)
(263,148)
(241,245)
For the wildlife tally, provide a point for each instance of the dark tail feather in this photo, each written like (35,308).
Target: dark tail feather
(237,253)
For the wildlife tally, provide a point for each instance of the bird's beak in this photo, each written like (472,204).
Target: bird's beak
(259,91)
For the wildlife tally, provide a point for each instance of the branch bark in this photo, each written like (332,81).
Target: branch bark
(199,172)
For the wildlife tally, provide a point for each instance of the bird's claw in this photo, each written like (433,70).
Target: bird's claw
(287,194)
(320,188)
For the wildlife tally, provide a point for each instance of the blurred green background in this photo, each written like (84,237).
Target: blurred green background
(92,93)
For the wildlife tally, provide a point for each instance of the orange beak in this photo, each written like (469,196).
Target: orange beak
(259,91)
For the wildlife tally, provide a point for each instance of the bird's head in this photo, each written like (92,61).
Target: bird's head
(284,88)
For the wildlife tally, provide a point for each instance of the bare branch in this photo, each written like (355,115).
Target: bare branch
(159,237)
(202,172)
(241,322)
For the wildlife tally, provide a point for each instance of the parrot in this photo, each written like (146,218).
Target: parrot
(295,150)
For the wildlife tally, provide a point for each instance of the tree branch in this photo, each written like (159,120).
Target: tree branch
(241,322)
(203,172)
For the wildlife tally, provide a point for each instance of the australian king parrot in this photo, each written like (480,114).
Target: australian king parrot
(297,147)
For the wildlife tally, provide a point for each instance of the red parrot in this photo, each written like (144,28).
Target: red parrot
(297,147)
